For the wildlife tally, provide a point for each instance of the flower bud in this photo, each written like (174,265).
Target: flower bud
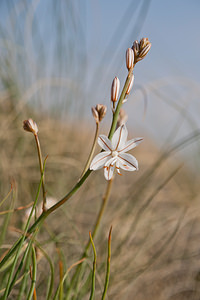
(144,51)
(99,112)
(143,43)
(136,46)
(115,89)
(130,85)
(136,49)
(129,58)
(31,126)
(95,114)
(101,109)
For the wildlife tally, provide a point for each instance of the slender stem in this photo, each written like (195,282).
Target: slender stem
(41,170)
(94,269)
(101,211)
(96,226)
(33,277)
(92,150)
(26,273)
(108,266)
(60,274)
(65,276)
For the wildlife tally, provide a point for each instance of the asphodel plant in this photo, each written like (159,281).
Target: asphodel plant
(113,158)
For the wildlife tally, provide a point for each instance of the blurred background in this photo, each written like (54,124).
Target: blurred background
(57,59)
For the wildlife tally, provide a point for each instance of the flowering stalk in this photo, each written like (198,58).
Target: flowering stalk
(47,212)
(30,126)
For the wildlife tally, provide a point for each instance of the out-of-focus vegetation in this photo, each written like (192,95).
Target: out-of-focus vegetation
(154,212)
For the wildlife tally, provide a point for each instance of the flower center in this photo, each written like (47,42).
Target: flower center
(114,153)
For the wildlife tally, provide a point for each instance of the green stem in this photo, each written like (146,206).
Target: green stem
(41,169)
(94,269)
(92,150)
(96,226)
(108,266)
(33,277)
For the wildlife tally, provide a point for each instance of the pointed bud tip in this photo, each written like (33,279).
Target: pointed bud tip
(129,58)
(115,89)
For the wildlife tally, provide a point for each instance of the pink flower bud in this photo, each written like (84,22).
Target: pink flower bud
(129,58)
(115,89)
(130,85)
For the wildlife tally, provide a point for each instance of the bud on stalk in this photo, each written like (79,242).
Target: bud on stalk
(130,85)
(129,58)
(144,51)
(115,89)
(31,126)
(95,114)
(101,109)
(99,112)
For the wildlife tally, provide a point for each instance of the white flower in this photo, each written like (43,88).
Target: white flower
(114,154)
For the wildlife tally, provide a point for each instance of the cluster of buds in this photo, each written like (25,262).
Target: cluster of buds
(99,112)
(141,49)
(31,126)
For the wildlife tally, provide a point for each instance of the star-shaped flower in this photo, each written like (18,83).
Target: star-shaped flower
(115,153)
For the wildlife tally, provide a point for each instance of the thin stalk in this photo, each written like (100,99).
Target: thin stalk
(50,288)
(60,275)
(96,226)
(6,197)
(92,150)
(65,276)
(94,268)
(108,266)
(26,272)
(33,277)
(41,169)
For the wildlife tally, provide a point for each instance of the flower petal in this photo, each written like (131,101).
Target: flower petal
(104,143)
(109,168)
(127,162)
(99,160)
(119,138)
(130,145)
